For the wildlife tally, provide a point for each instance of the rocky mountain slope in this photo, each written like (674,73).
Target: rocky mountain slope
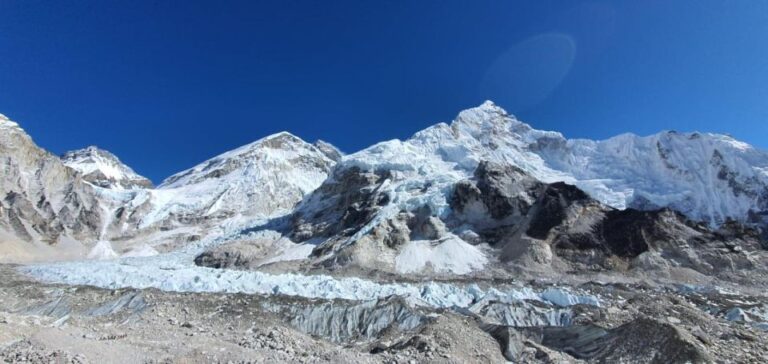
(227,193)
(89,204)
(43,202)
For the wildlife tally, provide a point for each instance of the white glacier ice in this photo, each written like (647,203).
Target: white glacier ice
(177,272)
(102,251)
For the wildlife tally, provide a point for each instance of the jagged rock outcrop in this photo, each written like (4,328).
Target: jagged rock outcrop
(43,201)
(532,222)
(340,205)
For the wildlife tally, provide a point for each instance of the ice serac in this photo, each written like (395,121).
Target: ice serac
(708,177)
(104,169)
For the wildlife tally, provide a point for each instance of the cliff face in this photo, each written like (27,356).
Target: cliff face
(42,199)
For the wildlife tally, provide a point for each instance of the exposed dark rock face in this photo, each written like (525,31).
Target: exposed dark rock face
(222,259)
(552,205)
(628,233)
(340,206)
(422,225)
(504,191)
(395,232)
(508,209)
(21,209)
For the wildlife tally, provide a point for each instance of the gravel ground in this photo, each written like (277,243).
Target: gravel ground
(45,323)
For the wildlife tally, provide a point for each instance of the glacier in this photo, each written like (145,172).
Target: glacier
(176,272)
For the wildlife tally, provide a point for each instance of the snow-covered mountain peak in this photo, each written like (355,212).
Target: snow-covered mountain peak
(483,117)
(6,123)
(261,179)
(282,147)
(104,169)
(491,106)
(280,140)
(490,122)
(709,177)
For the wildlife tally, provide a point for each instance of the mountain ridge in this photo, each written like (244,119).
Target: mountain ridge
(708,177)
(122,207)
(104,169)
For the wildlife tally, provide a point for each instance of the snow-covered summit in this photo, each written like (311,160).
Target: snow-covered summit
(275,148)
(399,197)
(6,122)
(260,179)
(8,125)
(104,169)
(708,177)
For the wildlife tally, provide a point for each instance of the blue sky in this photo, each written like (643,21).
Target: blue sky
(165,85)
